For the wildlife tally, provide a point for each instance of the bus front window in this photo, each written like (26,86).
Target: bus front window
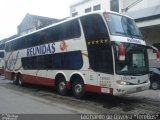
(135,62)
(122,26)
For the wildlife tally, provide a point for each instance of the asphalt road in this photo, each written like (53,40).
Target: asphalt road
(19,100)
(32,99)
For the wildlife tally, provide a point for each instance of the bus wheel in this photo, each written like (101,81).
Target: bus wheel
(61,86)
(78,88)
(15,81)
(20,82)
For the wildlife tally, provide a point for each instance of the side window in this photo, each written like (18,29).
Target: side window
(40,62)
(1,54)
(54,61)
(70,63)
(97,40)
(66,61)
(100,58)
(48,61)
(70,30)
(94,27)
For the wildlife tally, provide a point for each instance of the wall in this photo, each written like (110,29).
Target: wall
(151,34)
(105,5)
(142,4)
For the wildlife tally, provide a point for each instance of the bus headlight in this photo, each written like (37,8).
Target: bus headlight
(121,82)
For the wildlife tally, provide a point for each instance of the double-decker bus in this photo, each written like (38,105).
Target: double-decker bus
(100,52)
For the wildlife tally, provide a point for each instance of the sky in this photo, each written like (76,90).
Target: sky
(12,12)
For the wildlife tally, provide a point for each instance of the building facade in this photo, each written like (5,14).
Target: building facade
(31,23)
(84,6)
(147,16)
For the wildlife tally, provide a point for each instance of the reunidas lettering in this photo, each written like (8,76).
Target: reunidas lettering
(41,50)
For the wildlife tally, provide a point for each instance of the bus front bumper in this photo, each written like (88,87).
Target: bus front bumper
(128,89)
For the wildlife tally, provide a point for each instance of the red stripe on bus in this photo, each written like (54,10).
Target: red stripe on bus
(92,88)
(38,80)
(51,82)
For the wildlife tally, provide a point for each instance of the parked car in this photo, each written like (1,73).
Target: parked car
(155,78)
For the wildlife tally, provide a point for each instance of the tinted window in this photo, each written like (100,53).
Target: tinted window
(1,54)
(2,46)
(54,61)
(97,40)
(64,31)
(100,58)
(94,27)
(69,30)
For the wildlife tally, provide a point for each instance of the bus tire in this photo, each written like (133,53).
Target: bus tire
(19,79)
(61,86)
(155,85)
(78,88)
(14,79)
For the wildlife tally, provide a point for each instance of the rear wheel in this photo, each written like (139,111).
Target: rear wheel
(78,88)
(154,85)
(62,86)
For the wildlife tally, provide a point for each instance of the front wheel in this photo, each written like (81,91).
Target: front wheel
(78,88)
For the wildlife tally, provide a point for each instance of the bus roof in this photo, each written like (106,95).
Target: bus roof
(68,19)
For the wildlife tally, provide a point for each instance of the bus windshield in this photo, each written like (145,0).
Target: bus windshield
(123,26)
(135,62)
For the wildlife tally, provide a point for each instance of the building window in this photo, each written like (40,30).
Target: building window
(97,7)
(74,14)
(115,5)
(87,10)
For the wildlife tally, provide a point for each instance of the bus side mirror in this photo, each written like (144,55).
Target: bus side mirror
(121,52)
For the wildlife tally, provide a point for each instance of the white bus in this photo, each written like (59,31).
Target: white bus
(100,52)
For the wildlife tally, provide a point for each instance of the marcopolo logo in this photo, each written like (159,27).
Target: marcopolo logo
(41,50)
